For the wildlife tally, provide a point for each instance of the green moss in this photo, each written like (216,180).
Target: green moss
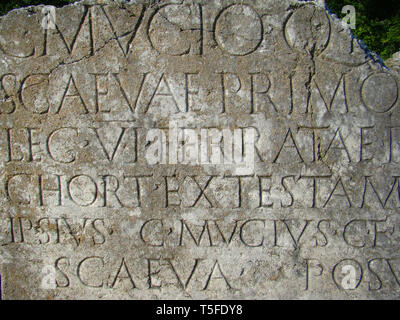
(377,23)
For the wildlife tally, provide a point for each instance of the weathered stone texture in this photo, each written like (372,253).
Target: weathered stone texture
(394,62)
(121,128)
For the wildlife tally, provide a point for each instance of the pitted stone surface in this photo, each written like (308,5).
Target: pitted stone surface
(188,149)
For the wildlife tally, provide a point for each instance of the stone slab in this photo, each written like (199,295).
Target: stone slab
(188,149)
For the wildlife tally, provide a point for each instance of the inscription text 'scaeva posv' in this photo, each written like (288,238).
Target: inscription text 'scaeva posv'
(195,149)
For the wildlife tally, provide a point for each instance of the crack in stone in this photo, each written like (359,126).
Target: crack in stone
(180,28)
(88,56)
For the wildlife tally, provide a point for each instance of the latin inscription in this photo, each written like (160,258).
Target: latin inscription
(196,149)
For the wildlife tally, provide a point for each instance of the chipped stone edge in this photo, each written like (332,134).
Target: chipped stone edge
(321,4)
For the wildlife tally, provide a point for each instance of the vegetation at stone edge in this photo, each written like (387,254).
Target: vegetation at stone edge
(377,21)
(6,6)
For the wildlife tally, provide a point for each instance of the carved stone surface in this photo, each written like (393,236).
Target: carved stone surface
(394,62)
(217,149)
